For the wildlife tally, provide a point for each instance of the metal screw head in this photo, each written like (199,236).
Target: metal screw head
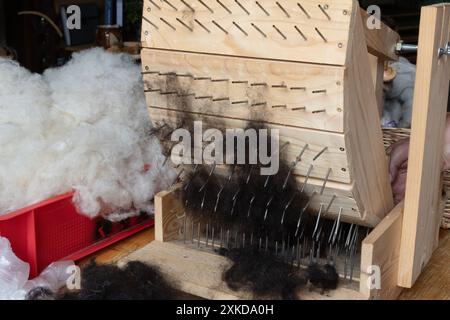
(340,45)
(326,7)
(146,33)
(149,9)
(345,12)
(445,50)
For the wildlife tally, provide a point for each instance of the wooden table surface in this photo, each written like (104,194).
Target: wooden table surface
(433,283)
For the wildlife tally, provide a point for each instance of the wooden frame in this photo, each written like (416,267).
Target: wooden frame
(404,238)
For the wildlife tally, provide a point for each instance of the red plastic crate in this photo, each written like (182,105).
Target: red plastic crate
(53,230)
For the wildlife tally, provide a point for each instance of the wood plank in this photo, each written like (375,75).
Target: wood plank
(422,215)
(200,273)
(377,68)
(354,209)
(380,42)
(381,248)
(277,84)
(434,281)
(364,139)
(334,157)
(321,35)
(168,209)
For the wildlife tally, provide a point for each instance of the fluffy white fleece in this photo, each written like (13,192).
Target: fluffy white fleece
(83,126)
(399,95)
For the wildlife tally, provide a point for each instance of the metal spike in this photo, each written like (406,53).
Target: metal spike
(192,231)
(221,99)
(324,12)
(240,102)
(243,240)
(321,35)
(203,200)
(187,5)
(299,108)
(251,239)
(279,106)
(185,25)
(283,9)
(267,207)
(207,234)
(329,204)
(212,237)
(325,181)
(306,178)
(223,6)
(167,23)
(152,2)
(317,220)
(262,8)
(219,26)
(301,33)
(202,78)
(258,29)
(267,243)
(228,238)
(319,111)
(286,207)
(221,238)
(209,176)
(320,91)
(240,28)
(259,84)
(206,6)
(259,104)
(202,25)
(279,31)
(173,7)
(250,206)
(298,88)
(304,11)
(320,153)
(242,7)
(294,164)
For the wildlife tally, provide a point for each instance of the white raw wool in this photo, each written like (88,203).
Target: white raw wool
(399,95)
(93,137)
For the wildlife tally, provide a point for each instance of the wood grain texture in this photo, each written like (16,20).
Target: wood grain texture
(168,209)
(317,36)
(377,68)
(200,273)
(380,41)
(434,282)
(382,248)
(423,186)
(282,86)
(364,139)
(334,157)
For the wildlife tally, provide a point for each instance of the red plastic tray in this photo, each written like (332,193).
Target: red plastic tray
(53,230)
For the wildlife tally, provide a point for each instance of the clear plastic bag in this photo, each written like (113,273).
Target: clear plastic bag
(14,273)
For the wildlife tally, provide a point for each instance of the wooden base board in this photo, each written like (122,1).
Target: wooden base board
(200,273)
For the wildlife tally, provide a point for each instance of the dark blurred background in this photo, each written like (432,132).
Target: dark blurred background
(38,45)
